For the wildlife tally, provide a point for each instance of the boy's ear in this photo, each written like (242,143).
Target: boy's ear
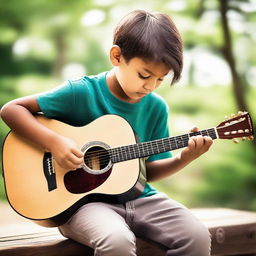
(115,55)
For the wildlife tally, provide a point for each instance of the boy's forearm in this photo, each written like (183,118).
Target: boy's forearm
(21,120)
(163,168)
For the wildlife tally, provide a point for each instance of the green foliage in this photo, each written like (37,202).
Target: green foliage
(2,190)
(222,177)
(231,182)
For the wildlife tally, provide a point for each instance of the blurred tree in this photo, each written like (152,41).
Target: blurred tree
(53,20)
(224,45)
(238,85)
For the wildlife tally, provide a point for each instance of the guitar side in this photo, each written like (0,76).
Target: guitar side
(26,184)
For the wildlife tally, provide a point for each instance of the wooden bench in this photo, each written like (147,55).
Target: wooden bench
(233,233)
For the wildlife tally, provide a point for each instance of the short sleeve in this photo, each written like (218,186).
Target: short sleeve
(58,103)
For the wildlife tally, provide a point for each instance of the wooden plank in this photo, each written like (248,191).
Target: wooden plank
(63,247)
(52,244)
(234,240)
(233,233)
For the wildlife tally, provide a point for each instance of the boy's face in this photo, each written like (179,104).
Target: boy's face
(137,78)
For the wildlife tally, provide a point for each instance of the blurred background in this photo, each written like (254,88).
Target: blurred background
(43,43)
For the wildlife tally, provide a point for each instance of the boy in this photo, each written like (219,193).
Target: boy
(147,46)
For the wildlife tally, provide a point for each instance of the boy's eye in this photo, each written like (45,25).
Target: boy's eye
(143,77)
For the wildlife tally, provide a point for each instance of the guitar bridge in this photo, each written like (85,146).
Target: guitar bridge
(49,172)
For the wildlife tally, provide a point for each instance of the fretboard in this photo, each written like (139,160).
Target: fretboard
(145,149)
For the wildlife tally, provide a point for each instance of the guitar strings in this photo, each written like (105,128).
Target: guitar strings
(140,146)
(103,156)
(123,152)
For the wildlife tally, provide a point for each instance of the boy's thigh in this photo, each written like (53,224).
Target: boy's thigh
(93,222)
(163,220)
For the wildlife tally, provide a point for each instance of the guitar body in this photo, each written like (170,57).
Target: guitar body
(39,189)
(113,169)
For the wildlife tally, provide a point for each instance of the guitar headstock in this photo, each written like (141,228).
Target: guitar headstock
(237,126)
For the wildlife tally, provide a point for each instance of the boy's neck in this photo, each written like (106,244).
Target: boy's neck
(115,88)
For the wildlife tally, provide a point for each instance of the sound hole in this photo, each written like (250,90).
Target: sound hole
(96,158)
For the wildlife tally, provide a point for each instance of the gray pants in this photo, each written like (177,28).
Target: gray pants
(111,228)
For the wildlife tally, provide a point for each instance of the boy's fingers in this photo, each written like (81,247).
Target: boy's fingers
(194,129)
(199,141)
(75,160)
(192,142)
(77,152)
(72,166)
(208,142)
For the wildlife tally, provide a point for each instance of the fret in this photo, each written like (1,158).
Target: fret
(157,147)
(204,133)
(160,146)
(142,149)
(163,145)
(113,155)
(149,148)
(126,153)
(132,151)
(185,140)
(174,144)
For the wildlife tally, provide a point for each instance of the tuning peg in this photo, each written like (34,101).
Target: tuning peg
(251,137)
(244,138)
(240,113)
(235,140)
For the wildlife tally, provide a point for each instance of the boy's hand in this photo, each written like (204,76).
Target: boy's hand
(196,146)
(66,153)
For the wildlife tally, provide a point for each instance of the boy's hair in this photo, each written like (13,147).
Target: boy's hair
(152,37)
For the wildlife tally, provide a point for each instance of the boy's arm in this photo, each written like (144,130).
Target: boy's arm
(18,115)
(162,168)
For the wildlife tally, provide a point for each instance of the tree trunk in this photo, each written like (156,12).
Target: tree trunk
(238,87)
(60,60)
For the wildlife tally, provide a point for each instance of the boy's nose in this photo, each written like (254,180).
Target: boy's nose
(150,86)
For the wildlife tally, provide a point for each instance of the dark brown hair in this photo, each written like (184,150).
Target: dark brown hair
(152,37)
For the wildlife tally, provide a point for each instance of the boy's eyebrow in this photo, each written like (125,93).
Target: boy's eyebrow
(151,73)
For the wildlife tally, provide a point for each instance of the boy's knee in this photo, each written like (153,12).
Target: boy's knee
(116,243)
(198,240)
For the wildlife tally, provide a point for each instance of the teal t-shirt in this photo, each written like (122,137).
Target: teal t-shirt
(79,102)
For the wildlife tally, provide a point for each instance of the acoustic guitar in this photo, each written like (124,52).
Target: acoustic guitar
(113,169)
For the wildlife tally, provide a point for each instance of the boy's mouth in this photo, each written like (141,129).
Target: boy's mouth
(141,94)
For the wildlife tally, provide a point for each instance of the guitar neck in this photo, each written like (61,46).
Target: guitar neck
(145,149)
